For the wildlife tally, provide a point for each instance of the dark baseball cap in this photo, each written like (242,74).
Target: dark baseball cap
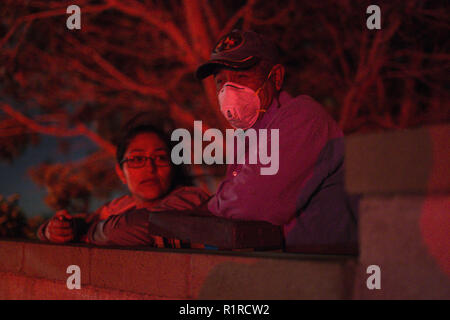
(239,50)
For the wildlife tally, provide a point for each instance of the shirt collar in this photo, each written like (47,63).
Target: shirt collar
(271,111)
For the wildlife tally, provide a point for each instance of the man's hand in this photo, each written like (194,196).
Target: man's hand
(60,228)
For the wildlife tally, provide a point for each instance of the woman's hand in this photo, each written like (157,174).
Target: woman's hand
(60,228)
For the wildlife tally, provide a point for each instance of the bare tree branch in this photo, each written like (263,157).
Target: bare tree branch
(79,130)
(47,14)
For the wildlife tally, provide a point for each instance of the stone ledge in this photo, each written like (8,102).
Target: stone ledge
(177,274)
(14,286)
(11,256)
(247,278)
(159,274)
(404,161)
(51,262)
(408,238)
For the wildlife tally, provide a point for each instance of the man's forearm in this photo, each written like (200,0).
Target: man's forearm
(128,229)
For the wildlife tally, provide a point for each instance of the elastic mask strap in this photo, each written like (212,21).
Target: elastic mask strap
(257,91)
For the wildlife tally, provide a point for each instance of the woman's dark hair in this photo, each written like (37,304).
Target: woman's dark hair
(180,175)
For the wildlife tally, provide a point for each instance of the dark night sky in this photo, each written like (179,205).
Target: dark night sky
(15,178)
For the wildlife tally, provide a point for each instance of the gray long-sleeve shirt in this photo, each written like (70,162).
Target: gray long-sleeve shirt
(306,196)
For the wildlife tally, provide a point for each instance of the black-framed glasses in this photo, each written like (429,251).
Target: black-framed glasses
(136,162)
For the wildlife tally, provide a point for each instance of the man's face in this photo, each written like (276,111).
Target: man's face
(253,78)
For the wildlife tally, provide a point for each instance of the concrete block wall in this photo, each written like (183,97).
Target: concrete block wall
(404,212)
(31,270)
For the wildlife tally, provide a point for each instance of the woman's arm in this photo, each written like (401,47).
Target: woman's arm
(63,227)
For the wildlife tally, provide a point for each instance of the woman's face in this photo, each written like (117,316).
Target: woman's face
(147,179)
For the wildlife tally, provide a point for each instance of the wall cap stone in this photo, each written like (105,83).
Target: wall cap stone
(186,273)
(402,161)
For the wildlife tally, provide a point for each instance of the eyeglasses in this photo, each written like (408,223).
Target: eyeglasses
(136,162)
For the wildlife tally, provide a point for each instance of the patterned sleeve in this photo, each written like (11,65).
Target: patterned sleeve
(183,198)
(132,228)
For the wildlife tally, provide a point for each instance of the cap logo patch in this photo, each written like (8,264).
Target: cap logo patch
(231,41)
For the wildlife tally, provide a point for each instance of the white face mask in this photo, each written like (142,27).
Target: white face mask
(239,104)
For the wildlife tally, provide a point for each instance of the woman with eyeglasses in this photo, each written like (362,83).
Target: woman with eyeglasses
(154,184)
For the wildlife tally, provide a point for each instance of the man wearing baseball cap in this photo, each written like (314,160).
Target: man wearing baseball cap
(306,196)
